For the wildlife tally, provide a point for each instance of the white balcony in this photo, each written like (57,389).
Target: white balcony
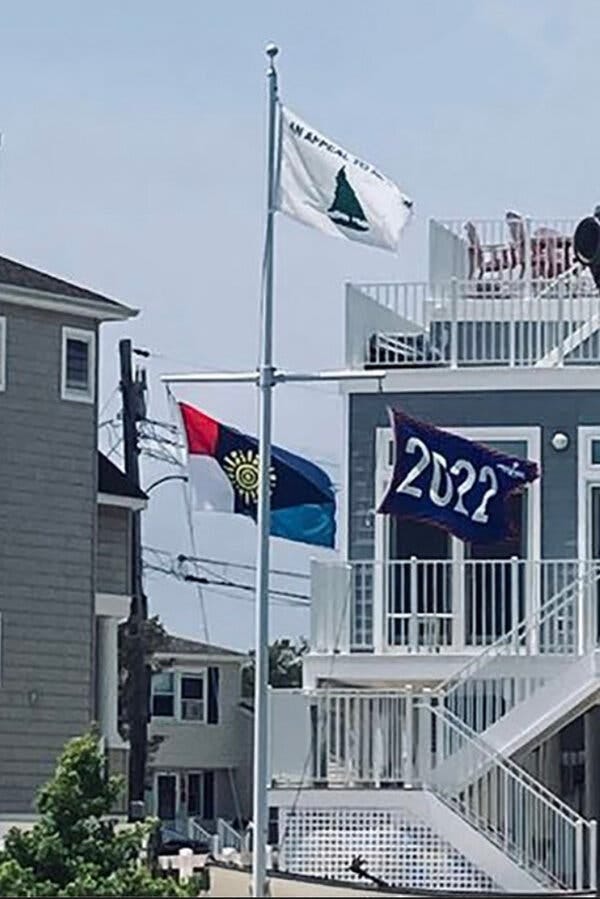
(443,606)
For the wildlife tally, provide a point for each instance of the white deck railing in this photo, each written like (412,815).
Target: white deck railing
(369,738)
(478,323)
(443,605)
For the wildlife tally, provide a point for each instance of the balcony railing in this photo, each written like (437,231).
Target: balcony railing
(448,606)
(462,323)
(370,738)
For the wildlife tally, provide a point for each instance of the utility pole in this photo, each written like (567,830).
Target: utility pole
(133,397)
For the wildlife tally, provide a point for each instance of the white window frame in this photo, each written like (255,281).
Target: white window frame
(2,354)
(178,700)
(154,693)
(588,476)
(199,674)
(181,780)
(186,774)
(88,337)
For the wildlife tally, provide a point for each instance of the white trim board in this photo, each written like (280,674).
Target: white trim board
(125,502)
(587,474)
(449,380)
(112,605)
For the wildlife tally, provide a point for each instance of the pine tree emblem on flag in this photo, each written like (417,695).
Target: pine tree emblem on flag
(331,189)
(346,205)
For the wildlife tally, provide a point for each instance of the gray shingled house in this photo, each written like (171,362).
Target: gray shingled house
(65,515)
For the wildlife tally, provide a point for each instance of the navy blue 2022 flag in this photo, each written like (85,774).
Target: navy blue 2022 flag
(452,482)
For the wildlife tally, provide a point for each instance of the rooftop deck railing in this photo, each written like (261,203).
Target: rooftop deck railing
(463,323)
(516,248)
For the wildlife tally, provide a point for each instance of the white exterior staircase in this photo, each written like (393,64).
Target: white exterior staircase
(503,701)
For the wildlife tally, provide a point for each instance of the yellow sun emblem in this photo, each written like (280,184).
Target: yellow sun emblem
(242,469)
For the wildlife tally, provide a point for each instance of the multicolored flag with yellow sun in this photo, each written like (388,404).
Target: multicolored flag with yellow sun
(223,469)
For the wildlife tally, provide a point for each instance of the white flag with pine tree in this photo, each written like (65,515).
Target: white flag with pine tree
(333,190)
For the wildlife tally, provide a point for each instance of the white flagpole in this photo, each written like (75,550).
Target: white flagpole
(266,382)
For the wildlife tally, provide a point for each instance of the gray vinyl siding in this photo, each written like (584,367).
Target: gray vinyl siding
(550,410)
(113,572)
(47,535)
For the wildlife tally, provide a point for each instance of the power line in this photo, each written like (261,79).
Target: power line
(282,600)
(294,598)
(163,562)
(247,567)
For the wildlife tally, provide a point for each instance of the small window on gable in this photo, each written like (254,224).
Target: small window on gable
(163,695)
(78,365)
(2,354)
(595,451)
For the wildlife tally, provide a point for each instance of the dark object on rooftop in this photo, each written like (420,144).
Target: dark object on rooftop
(586,243)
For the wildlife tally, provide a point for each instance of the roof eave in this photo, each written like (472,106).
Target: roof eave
(99,310)
(201,657)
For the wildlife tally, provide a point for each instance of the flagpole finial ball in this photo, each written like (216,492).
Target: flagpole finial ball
(272,50)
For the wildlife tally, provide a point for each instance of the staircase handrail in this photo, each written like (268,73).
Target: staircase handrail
(515,636)
(521,851)
(502,761)
(196,831)
(228,836)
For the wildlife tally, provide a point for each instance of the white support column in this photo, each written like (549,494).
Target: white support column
(107,679)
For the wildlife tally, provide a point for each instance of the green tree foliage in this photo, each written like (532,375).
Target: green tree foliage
(285,666)
(74,849)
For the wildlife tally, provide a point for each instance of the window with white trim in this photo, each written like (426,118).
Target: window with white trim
(163,695)
(78,366)
(192,697)
(2,353)
(182,696)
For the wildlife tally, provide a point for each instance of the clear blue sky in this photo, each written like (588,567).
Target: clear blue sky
(133,161)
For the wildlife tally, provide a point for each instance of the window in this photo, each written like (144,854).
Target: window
(192,697)
(78,365)
(186,696)
(194,794)
(163,695)
(595,460)
(2,354)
